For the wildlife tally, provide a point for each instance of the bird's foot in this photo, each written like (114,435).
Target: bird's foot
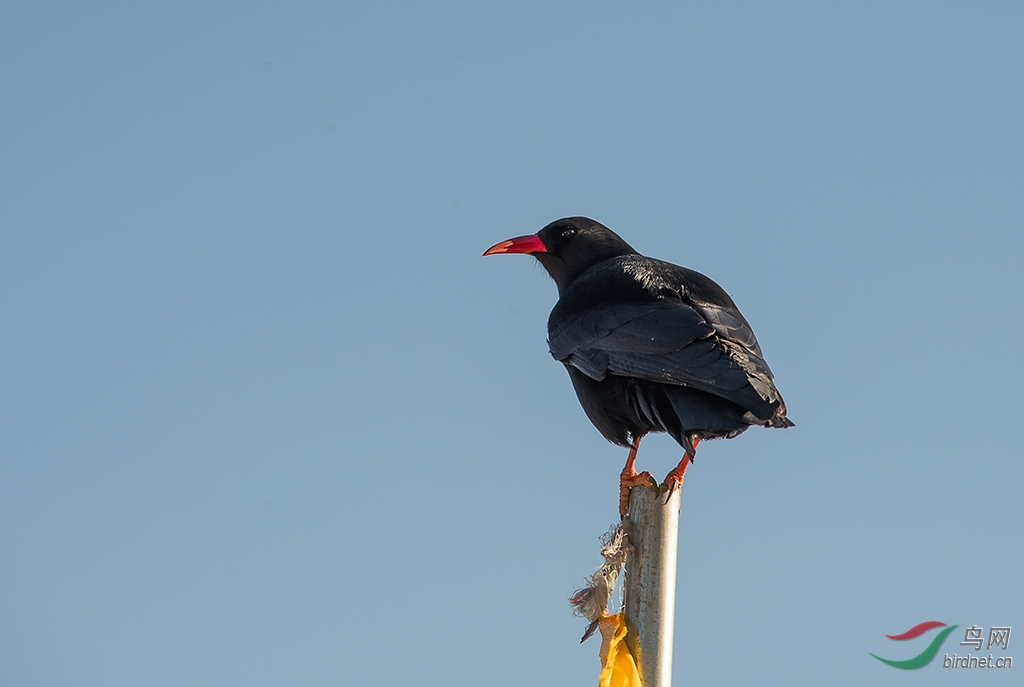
(674,479)
(627,480)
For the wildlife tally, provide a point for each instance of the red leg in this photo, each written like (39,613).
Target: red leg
(674,479)
(630,478)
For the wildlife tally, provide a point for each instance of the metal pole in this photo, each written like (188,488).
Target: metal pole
(650,584)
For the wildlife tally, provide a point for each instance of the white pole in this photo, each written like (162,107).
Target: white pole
(650,584)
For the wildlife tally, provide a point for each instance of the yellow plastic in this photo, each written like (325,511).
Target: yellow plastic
(618,669)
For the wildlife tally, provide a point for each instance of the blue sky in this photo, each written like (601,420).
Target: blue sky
(268,418)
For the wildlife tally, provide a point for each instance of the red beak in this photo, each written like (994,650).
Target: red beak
(520,244)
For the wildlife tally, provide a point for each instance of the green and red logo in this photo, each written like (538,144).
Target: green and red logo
(925,657)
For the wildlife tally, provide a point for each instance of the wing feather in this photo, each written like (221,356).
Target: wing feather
(671,342)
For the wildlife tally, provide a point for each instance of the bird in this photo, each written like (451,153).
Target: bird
(649,346)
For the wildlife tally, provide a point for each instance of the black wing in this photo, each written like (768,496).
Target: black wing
(667,338)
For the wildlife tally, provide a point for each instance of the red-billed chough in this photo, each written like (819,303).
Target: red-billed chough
(649,346)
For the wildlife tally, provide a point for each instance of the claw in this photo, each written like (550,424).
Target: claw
(667,489)
(672,482)
(674,479)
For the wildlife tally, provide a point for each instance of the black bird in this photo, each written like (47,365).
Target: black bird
(649,346)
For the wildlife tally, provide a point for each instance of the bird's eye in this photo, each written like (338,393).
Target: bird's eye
(568,233)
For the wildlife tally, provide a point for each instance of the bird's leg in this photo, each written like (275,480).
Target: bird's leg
(630,478)
(674,479)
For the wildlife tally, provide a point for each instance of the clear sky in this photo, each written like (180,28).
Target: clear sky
(268,417)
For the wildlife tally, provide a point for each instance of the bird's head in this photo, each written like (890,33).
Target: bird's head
(567,247)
